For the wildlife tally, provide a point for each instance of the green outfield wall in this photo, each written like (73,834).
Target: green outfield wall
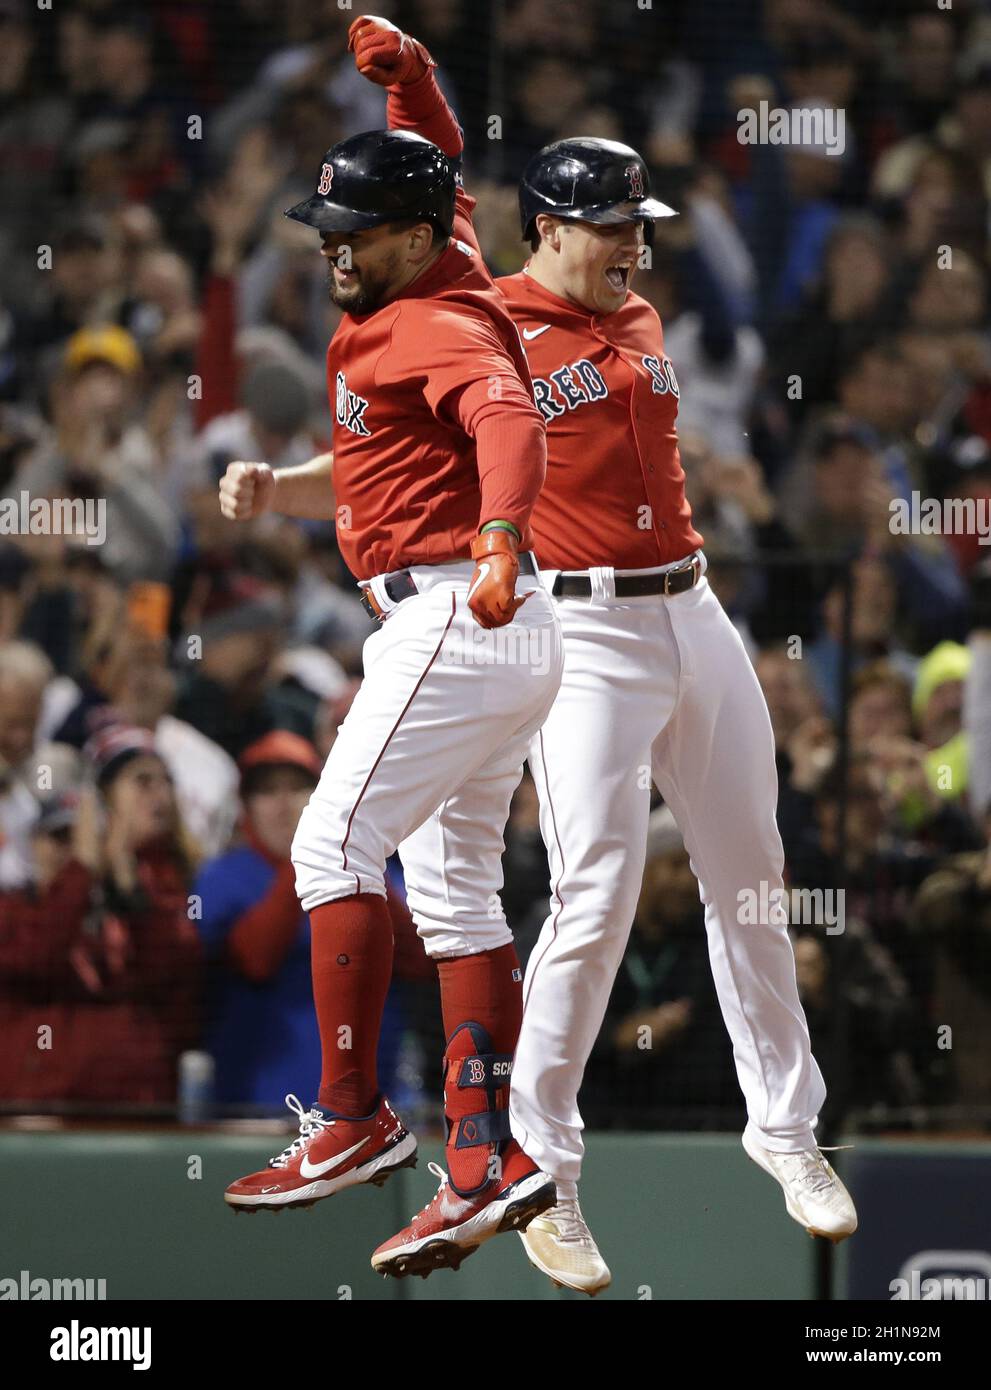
(677,1217)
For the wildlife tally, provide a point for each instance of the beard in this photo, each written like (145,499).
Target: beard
(371,290)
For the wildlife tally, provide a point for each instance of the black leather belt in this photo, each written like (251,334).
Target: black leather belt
(634,585)
(402,585)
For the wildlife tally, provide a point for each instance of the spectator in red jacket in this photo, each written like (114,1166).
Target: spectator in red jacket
(99,956)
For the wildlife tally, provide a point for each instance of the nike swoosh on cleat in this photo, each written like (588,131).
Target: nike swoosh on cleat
(317,1170)
(529,333)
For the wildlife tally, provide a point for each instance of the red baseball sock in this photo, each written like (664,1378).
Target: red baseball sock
(351,953)
(485,989)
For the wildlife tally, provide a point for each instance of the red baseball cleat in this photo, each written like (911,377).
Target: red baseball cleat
(330,1153)
(452,1226)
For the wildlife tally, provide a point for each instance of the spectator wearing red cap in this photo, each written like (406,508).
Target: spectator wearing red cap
(261,1028)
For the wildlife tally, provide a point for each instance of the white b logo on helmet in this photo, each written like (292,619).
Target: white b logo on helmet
(634,175)
(326,179)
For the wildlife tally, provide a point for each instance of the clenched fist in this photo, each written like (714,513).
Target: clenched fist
(384,54)
(492,592)
(246,490)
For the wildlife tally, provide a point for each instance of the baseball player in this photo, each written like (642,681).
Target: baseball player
(657,686)
(439,455)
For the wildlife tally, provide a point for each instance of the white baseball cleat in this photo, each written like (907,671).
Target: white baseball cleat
(561,1246)
(814,1195)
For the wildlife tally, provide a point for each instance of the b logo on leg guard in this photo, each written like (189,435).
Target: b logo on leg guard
(476,1093)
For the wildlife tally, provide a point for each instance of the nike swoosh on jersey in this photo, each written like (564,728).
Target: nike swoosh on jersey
(317,1170)
(529,333)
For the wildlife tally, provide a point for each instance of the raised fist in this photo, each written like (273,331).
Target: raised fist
(384,54)
(246,490)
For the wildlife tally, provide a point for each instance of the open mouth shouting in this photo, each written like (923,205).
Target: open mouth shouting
(618,275)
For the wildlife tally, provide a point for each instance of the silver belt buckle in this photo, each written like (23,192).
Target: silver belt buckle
(693,564)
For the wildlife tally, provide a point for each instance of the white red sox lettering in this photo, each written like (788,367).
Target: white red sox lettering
(350,408)
(569,387)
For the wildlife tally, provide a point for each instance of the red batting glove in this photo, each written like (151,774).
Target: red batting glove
(384,54)
(492,592)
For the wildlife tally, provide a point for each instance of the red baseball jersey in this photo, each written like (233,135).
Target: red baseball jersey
(406,473)
(615,489)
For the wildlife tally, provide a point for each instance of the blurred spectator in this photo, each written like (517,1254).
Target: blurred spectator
(128,680)
(272,424)
(709,278)
(873,604)
(231,691)
(803,738)
(663,1058)
(31,767)
(870,841)
(100,451)
(262,1030)
(951,922)
(78,289)
(34,123)
(880,704)
(865,1013)
(839,497)
(810,345)
(99,953)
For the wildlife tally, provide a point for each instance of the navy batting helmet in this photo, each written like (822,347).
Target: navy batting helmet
(381,176)
(588,180)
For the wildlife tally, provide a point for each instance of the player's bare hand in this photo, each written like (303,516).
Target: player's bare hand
(492,593)
(384,54)
(246,490)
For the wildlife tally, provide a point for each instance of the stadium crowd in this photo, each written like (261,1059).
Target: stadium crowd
(167,696)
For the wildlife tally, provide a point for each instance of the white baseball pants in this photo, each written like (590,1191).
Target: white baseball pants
(658,689)
(444,716)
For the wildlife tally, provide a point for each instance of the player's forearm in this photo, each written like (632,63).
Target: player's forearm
(306,491)
(421,107)
(511,448)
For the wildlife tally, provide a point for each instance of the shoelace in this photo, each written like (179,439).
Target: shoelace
(310,1123)
(438,1172)
(813,1171)
(571,1226)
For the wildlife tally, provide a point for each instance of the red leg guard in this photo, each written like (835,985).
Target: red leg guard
(482,1002)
